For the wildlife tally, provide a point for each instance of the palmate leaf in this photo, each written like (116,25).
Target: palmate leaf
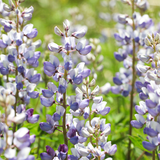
(137,141)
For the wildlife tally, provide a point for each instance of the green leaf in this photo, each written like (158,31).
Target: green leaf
(53,139)
(137,141)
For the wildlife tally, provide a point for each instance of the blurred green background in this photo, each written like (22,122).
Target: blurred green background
(50,13)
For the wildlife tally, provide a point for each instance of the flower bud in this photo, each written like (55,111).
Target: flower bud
(84,81)
(29,10)
(66,25)
(92,83)
(85,50)
(98,50)
(100,68)
(100,58)
(102,138)
(150,38)
(27,17)
(147,42)
(143,68)
(10,153)
(53,47)
(78,90)
(98,99)
(10,100)
(83,151)
(87,81)
(79,34)
(85,132)
(11,3)
(20,118)
(95,91)
(157,38)
(7,8)
(90,129)
(57,31)
(107,131)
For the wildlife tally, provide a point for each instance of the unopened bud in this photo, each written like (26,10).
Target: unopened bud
(95,91)
(98,50)
(157,38)
(147,42)
(85,132)
(90,129)
(87,81)
(150,38)
(100,59)
(7,8)
(20,118)
(77,90)
(100,68)
(57,31)
(83,151)
(66,25)
(11,3)
(10,100)
(102,138)
(84,81)
(107,131)
(92,83)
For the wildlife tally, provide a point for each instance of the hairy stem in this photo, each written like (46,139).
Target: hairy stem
(90,118)
(97,135)
(7,125)
(133,82)
(153,155)
(14,125)
(64,115)
(16,73)
(157,154)
(141,155)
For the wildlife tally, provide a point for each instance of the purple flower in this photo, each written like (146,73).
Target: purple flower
(49,155)
(53,47)
(148,146)
(50,67)
(50,126)
(47,102)
(79,34)
(84,51)
(48,93)
(30,117)
(32,34)
(22,138)
(62,149)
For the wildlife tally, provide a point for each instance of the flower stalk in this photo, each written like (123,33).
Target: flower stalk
(133,82)
(64,116)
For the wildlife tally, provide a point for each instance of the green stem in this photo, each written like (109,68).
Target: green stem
(141,155)
(90,118)
(17,26)
(157,154)
(99,158)
(133,83)
(14,125)
(153,155)
(7,125)
(64,116)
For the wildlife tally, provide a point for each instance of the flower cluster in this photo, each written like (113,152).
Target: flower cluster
(148,88)
(75,130)
(17,65)
(125,36)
